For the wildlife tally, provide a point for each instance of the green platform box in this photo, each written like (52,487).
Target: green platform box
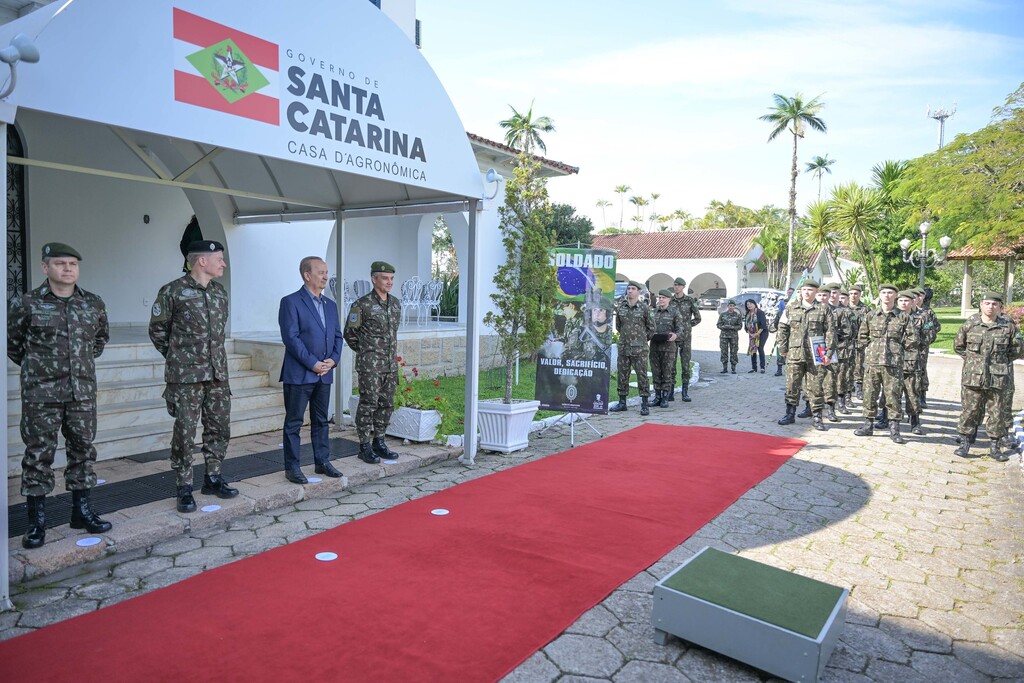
(777,621)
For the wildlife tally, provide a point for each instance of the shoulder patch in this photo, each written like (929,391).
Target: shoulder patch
(157,310)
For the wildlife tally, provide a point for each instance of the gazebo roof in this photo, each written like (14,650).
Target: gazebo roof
(995,252)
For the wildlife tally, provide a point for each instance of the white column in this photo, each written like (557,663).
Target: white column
(1007,274)
(6,117)
(343,380)
(472,338)
(966,287)
(1009,280)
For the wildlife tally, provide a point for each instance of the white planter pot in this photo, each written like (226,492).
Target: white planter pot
(614,358)
(406,423)
(505,427)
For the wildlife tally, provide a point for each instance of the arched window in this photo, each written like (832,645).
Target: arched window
(17,237)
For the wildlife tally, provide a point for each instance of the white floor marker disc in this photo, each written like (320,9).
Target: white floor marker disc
(86,542)
(326,557)
(439,512)
(210,508)
(314,480)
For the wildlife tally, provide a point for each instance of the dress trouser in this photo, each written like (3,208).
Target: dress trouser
(297,397)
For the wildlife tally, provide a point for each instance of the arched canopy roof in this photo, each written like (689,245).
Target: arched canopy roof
(324,108)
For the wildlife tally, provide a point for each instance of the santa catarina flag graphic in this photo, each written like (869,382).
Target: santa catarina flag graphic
(220,68)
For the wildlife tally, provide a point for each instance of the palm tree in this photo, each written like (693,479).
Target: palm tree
(523,131)
(793,114)
(621,190)
(654,204)
(639,202)
(817,167)
(821,234)
(856,213)
(885,177)
(603,204)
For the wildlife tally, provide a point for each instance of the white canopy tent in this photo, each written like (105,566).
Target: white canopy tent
(258,113)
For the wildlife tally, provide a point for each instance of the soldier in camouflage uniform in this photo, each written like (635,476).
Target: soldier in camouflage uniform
(687,307)
(635,323)
(55,333)
(667,321)
(187,326)
(730,323)
(847,355)
(885,335)
(989,342)
(801,320)
(860,311)
(591,338)
(833,371)
(930,329)
(371,331)
(905,302)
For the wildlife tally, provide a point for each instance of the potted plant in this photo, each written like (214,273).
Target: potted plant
(523,301)
(422,412)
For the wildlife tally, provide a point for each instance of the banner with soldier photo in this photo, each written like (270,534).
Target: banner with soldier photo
(574,366)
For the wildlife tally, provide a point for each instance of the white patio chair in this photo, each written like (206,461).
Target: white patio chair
(361,288)
(411,289)
(333,284)
(431,299)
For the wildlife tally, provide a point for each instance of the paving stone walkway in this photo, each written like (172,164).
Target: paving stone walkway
(931,546)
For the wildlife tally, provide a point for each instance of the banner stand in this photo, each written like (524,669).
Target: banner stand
(572,418)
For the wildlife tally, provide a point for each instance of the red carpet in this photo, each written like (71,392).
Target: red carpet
(418,597)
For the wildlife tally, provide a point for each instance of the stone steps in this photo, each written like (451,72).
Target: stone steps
(131,413)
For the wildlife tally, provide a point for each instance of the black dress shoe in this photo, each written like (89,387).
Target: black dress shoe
(326,469)
(295,477)
(215,484)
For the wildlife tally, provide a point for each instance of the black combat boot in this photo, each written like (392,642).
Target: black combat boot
(733,371)
(186,503)
(790,416)
(619,407)
(924,403)
(995,453)
(214,484)
(1009,443)
(671,393)
(964,449)
(883,419)
(915,424)
(664,400)
(380,448)
(35,534)
(841,408)
(367,455)
(644,406)
(817,422)
(858,390)
(656,399)
(82,516)
(684,393)
(778,371)
(830,412)
(806,412)
(725,370)
(867,429)
(894,432)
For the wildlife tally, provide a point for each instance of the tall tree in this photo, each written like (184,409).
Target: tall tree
(523,130)
(857,213)
(570,229)
(603,204)
(654,205)
(818,166)
(794,115)
(821,234)
(621,190)
(639,202)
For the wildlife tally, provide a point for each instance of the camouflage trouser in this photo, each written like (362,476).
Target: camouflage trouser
(628,364)
(807,376)
(858,365)
(830,381)
(728,344)
(684,344)
(990,403)
(376,403)
(924,371)
(663,365)
(888,381)
(846,375)
(187,404)
(40,422)
(912,391)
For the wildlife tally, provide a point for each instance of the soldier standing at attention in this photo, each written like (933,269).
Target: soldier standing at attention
(833,372)
(859,310)
(930,328)
(989,343)
(885,335)
(667,321)
(846,355)
(687,307)
(187,327)
(635,324)
(371,331)
(801,320)
(55,333)
(912,361)
(730,323)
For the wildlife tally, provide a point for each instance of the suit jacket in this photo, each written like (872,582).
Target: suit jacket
(306,340)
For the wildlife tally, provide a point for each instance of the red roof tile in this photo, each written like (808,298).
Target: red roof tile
(558,165)
(685,244)
(995,252)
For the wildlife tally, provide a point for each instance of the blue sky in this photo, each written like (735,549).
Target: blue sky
(665,95)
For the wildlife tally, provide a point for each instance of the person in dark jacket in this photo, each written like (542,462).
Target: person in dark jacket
(756,325)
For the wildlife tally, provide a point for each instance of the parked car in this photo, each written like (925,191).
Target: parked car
(710,298)
(755,293)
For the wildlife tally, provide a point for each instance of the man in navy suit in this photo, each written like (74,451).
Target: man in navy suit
(312,341)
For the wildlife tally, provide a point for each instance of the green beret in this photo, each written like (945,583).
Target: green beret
(833,285)
(680,281)
(857,288)
(888,285)
(918,291)
(810,283)
(666,292)
(993,296)
(55,249)
(634,283)
(730,302)
(381,267)
(906,294)
(843,292)
(204,247)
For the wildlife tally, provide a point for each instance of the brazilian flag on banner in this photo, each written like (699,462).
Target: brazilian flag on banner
(574,366)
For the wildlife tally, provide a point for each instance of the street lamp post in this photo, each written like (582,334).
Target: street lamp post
(924,257)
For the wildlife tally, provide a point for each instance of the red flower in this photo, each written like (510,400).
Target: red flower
(437,383)
(403,365)
(437,398)
(408,388)
(399,359)
(415,372)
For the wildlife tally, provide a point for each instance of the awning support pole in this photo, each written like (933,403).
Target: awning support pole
(468,456)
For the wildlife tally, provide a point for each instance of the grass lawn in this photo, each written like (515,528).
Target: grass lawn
(949,318)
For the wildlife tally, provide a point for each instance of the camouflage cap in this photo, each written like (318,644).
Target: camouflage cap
(679,281)
(907,294)
(810,283)
(666,292)
(381,267)
(888,285)
(55,249)
(634,283)
(993,296)
(204,247)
